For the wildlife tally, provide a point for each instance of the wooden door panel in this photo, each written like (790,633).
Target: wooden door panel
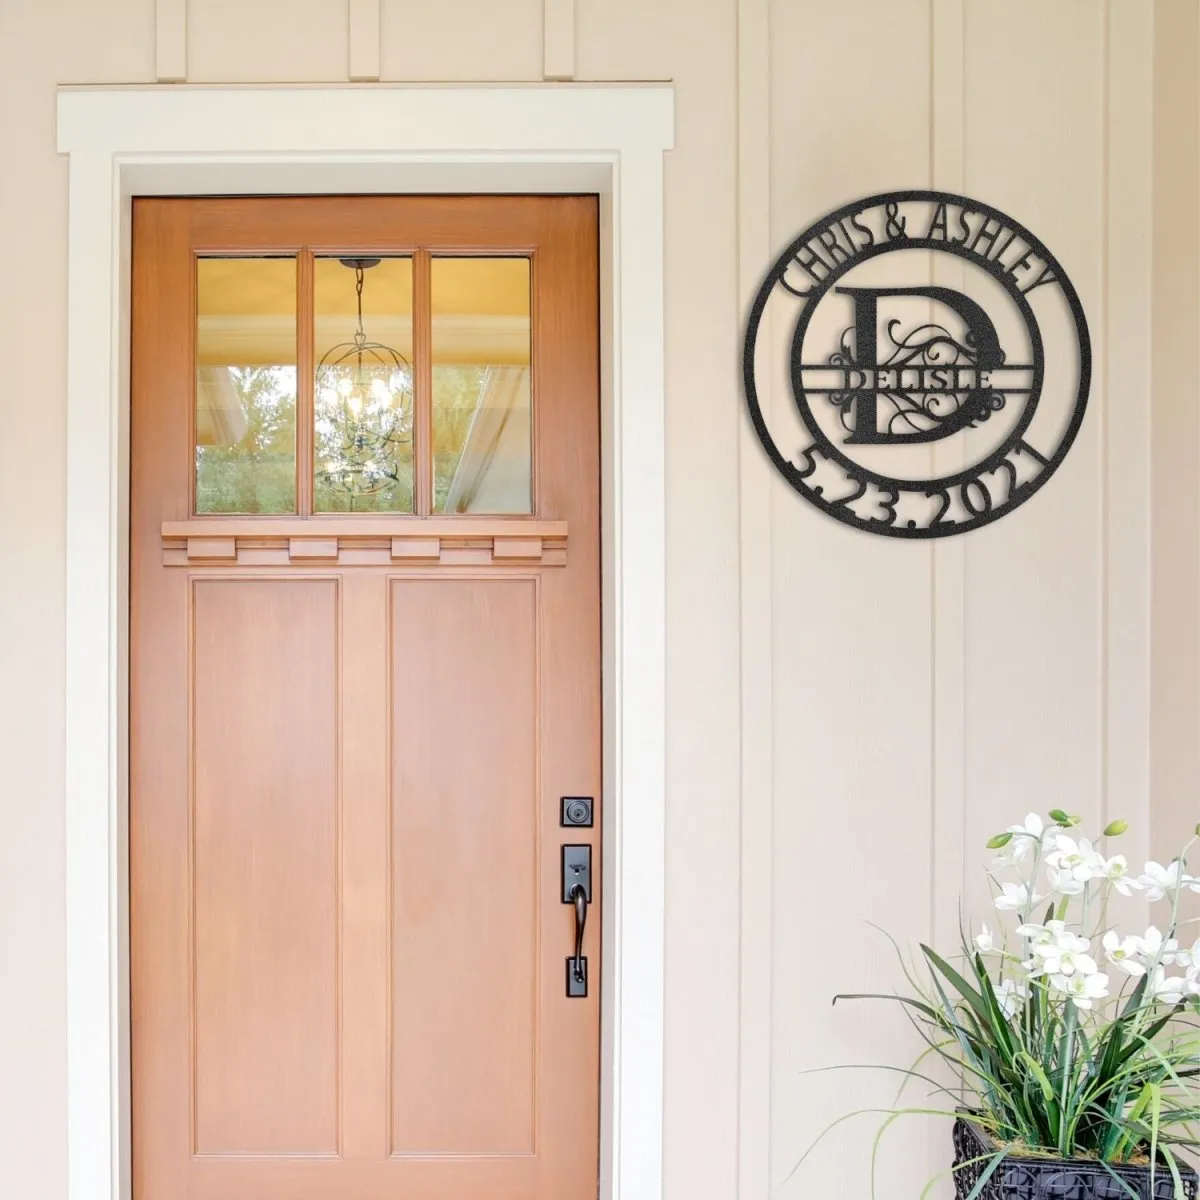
(465,844)
(366,857)
(348,743)
(442,1177)
(265,866)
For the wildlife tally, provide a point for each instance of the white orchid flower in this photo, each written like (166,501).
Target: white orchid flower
(1009,995)
(1055,960)
(1153,946)
(1053,933)
(1014,897)
(1074,858)
(1057,950)
(1123,952)
(1173,955)
(1024,835)
(1066,941)
(1032,828)
(1159,880)
(1169,989)
(1189,959)
(1116,872)
(1041,935)
(985,942)
(1064,883)
(1081,990)
(1010,856)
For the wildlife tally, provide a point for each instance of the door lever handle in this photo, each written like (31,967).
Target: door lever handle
(578,965)
(577,891)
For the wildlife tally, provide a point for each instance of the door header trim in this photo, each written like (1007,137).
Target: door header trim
(305,140)
(376,119)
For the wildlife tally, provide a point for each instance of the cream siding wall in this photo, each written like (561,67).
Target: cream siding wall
(1175,366)
(925,696)
(845,713)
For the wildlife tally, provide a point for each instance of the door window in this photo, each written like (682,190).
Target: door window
(244,424)
(364,383)
(482,432)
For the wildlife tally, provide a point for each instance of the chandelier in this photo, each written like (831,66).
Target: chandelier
(364,408)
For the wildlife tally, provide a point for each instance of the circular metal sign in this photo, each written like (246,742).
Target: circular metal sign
(937,358)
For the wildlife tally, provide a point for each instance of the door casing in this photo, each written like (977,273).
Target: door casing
(201,141)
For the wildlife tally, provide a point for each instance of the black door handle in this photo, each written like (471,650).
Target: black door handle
(578,970)
(577,891)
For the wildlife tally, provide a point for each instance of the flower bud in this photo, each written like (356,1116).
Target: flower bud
(1059,817)
(1001,839)
(1115,828)
(1197,831)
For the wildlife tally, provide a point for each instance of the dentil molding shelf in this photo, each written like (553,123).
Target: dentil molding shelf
(365,541)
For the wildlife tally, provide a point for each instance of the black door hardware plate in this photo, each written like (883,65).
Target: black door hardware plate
(576,982)
(576,869)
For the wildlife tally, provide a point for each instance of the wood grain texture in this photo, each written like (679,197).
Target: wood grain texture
(265,888)
(365,541)
(464,747)
(366,724)
(366,864)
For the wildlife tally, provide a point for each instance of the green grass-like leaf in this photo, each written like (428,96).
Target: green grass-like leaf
(1113,1084)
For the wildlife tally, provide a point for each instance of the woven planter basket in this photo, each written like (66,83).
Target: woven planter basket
(1020,1178)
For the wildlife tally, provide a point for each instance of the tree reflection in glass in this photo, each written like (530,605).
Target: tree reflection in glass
(245,400)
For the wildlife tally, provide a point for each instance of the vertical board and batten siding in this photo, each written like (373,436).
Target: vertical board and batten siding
(845,714)
(1174,365)
(852,637)
(927,695)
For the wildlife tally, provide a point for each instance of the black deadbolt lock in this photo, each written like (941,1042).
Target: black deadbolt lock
(577,811)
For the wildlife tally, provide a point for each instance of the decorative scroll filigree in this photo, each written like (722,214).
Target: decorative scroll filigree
(915,410)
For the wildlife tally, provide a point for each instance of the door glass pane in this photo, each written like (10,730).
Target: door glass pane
(482,432)
(245,425)
(363,385)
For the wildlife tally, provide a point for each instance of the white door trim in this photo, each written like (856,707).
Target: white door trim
(543,138)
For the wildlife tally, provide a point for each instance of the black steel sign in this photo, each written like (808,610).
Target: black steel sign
(937,359)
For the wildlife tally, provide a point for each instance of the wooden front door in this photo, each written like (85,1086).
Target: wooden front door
(365,672)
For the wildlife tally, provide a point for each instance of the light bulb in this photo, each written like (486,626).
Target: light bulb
(380,391)
(354,400)
(344,386)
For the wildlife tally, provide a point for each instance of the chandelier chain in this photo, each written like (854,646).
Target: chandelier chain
(360,336)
